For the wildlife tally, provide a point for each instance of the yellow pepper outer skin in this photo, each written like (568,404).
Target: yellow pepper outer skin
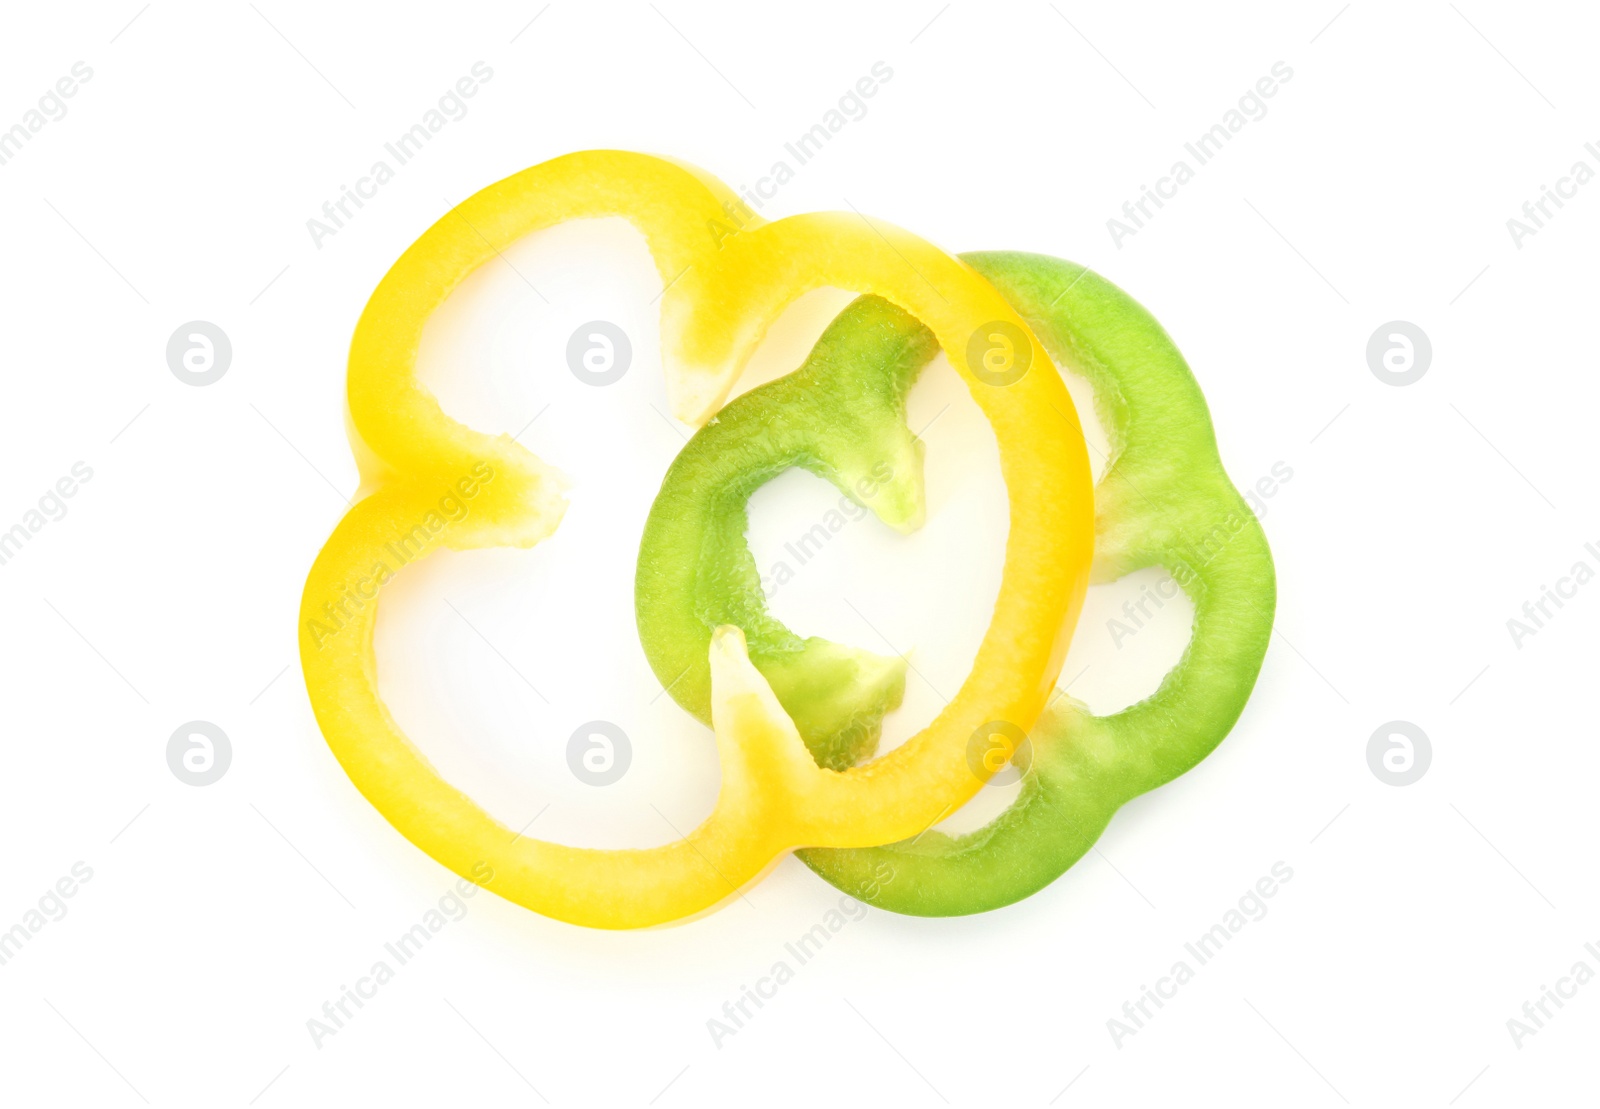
(726,280)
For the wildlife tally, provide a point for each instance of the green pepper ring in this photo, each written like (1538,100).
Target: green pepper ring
(1165,501)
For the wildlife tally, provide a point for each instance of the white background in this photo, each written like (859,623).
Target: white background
(1417,522)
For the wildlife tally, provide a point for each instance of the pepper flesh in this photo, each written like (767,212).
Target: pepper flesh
(723,287)
(1164,501)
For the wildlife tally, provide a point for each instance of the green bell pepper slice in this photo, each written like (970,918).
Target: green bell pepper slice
(1164,500)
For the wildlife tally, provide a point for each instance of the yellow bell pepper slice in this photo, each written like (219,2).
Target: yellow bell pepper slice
(726,279)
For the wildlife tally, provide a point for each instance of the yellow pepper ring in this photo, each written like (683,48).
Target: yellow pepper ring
(724,286)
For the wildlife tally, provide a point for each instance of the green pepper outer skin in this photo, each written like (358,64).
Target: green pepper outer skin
(1165,501)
